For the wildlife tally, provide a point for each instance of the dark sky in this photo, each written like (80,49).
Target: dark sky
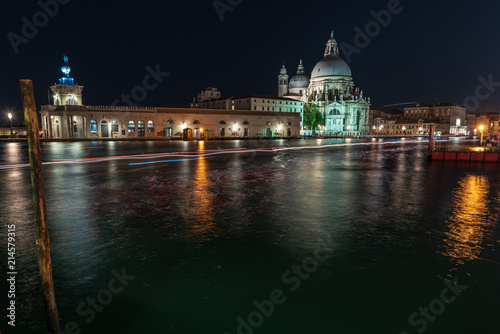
(433,51)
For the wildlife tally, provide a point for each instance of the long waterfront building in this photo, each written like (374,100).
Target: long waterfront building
(67,117)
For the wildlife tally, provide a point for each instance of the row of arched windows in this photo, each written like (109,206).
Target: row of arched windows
(150,126)
(140,126)
(114,126)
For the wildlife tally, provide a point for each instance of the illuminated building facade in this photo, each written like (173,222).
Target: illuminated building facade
(66,92)
(331,88)
(67,118)
(489,120)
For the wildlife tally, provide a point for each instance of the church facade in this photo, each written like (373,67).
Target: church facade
(331,88)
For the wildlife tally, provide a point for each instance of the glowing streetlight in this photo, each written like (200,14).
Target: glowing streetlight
(481,128)
(10,123)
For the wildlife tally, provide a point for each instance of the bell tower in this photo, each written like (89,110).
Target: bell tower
(66,92)
(283,82)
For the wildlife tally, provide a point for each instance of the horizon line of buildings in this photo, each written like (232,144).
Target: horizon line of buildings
(447,118)
(330,87)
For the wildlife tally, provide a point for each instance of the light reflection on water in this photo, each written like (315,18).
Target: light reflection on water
(472,219)
(207,237)
(201,212)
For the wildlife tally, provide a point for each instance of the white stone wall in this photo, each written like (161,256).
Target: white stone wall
(62,124)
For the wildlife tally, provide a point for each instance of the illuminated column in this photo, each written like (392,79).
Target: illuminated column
(49,119)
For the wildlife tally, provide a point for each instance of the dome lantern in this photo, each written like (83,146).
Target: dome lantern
(283,69)
(331,65)
(332,48)
(65,68)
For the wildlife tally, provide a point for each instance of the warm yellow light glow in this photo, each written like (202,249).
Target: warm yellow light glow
(10,116)
(201,203)
(471,222)
(481,128)
(201,130)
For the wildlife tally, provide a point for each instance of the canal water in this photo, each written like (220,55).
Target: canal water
(366,237)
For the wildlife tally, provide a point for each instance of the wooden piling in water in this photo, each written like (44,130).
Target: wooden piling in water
(39,205)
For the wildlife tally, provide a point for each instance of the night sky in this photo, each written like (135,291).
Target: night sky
(433,51)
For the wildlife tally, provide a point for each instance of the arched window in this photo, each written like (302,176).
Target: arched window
(140,129)
(104,129)
(269,123)
(151,126)
(93,126)
(246,123)
(289,123)
(131,126)
(222,123)
(196,122)
(114,126)
(170,121)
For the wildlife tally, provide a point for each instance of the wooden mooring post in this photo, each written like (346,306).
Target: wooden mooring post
(39,205)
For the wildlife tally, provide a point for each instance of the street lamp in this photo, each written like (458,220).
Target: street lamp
(481,128)
(404,130)
(10,122)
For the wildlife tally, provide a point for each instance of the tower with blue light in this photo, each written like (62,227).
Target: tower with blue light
(66,92)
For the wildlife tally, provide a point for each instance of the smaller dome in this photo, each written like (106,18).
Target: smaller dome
(299,81)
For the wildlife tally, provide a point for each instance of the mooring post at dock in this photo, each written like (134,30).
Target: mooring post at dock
(431,138)
(39,206)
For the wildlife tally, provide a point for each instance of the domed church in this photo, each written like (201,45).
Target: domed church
(331,88)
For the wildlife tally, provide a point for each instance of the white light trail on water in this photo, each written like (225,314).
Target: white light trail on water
(212,153)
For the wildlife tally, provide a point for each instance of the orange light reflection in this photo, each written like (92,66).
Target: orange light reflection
(470,221)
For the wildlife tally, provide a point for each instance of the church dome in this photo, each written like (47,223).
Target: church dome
(331,65)
(301,79)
